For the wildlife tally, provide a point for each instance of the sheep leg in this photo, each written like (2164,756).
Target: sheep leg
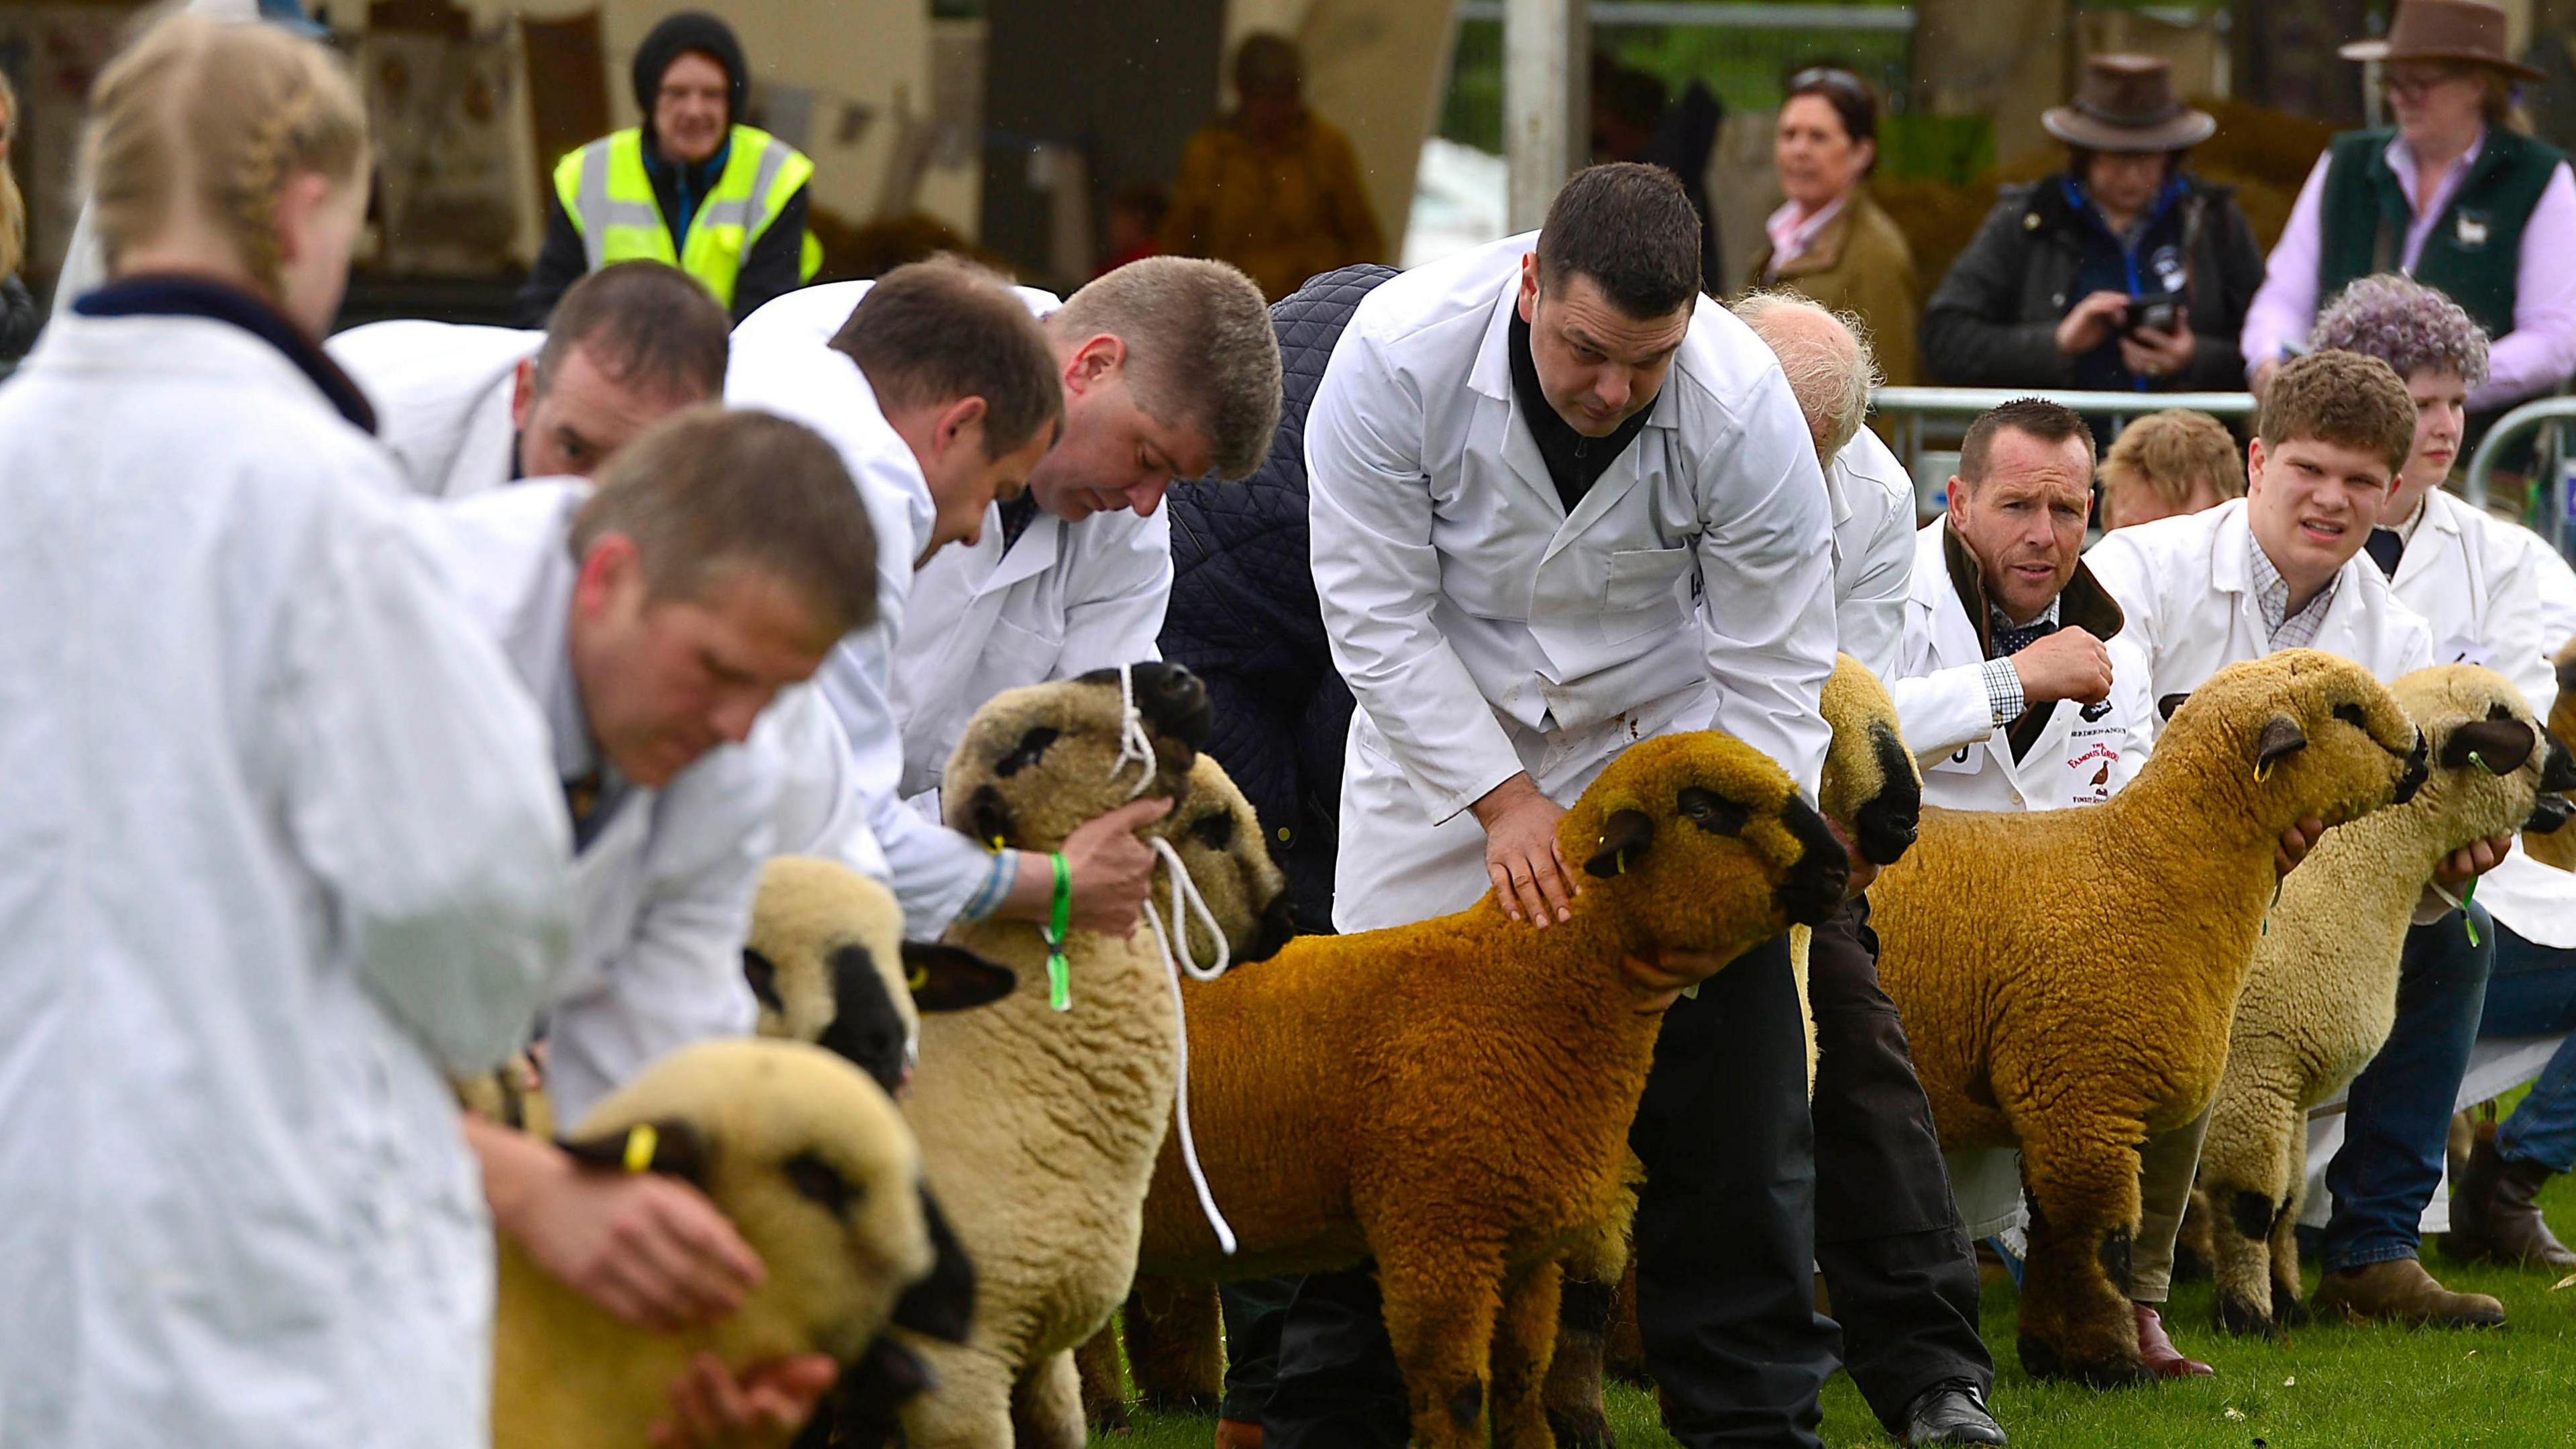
(2075,1317)
(2250,1131)
(1175,1345)
(971,1408)
(2289,1299)
(1046,1404)
(1524,1342)
(1575,1409)
(1104,1393)
(1442,1299)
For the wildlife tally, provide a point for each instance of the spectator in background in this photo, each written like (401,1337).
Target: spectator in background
(1136,212)
(2172,462)
(2452,196)
(691,187)
(2125,272)
(19,318)
(1272,187)
(1829,240)
(1634,119)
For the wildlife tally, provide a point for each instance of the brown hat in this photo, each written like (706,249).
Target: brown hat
(2126,103)
(2470,30)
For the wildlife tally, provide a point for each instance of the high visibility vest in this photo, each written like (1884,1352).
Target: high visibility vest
(604,189)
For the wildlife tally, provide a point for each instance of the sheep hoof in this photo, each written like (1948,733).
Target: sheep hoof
(2038,1359)
(2293,1313)
(2241,1317)
(2111,1373)
(1583,1430)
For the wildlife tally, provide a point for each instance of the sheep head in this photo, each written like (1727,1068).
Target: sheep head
(2493,762)
(1036,762)
(1219,841)
(2558,847)
(1700,843)
(2292,735)
(819,1174)
(1871,786)
(827,963)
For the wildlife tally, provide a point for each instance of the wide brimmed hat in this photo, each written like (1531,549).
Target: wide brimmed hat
(2127,103)
(2470,30)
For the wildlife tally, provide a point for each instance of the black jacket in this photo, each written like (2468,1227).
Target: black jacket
(1993,321)
(1243,615)
(20,320)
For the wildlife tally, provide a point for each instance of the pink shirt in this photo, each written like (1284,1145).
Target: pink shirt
(2535,357)
(1790,237)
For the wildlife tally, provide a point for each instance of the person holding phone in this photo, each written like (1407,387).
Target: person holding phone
(2124,272)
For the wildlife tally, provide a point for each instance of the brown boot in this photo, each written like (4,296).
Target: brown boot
(1237,1434)
(2400,1291)
(2493,1214)
(2158,1351)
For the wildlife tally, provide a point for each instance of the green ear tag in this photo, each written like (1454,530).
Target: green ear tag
(1060,924)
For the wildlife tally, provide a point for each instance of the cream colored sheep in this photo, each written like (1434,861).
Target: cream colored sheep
(2322,993)
(818,1173)
(2067,978)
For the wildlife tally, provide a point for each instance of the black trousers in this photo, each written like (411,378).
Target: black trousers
(1725,1246)
(1895,1256)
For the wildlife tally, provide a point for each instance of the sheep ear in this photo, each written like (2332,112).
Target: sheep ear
(1624,837)
(952,978)
(2281,737)
(943,1304)
(2499,746)
(666,1145)
(762,973)
(2166,705)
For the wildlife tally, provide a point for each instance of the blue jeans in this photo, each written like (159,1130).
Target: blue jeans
(2533,990)
(2399,1122)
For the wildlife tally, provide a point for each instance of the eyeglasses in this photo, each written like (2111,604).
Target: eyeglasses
(1829,77)
(2414,84)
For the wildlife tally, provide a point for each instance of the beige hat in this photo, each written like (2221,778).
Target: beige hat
(2127,103)
(2470,30)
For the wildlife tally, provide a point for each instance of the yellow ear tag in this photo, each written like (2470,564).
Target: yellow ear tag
(641,1141)
(997,842)
(919,978)
(2262,771)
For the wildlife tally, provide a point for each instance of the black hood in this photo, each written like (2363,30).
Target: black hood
(689,30)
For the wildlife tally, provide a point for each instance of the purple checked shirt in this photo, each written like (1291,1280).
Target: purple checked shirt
(2535,357)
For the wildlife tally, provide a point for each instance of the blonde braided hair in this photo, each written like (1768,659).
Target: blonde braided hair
(13,206)
(198,116)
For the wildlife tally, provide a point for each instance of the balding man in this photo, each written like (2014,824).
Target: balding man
(1889,1239)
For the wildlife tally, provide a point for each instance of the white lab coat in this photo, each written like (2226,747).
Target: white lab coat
(1872,498)
(972,622)
(662,893)
(2186,585)
(282,850)
(442,394)
(2477,584)
(2083,754)
(2555,581)
(1486,633)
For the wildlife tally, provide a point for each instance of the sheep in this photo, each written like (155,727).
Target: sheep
(1453,1097)
(811,1162)
(827,962)
(1041,1127)
(2558,847)
(2322,992)
(2067,978)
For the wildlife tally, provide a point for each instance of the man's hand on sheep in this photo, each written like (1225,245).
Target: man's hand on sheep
(649,1248)
(1863,869)
(1111,869)
(1531,879)
(2456,870)
(2295,844)
(2069,664)
(711,1409)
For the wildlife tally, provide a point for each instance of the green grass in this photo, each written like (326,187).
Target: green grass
(2330,1388)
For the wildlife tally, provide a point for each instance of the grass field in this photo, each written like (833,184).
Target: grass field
(2328,1388)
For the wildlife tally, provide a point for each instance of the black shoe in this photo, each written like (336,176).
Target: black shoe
(1950,1413)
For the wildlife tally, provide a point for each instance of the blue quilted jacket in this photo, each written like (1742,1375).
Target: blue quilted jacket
(1243,613)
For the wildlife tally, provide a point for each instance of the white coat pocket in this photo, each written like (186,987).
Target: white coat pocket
(1641,590)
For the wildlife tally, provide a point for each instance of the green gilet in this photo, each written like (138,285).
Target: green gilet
(2474,252)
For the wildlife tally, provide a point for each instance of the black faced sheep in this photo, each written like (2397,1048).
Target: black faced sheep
(817,1171)
(1453,1097)
(2067,978)
(2322,993)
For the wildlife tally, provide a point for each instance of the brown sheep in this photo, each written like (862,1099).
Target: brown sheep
(2067,978)
(1453,1097)
(2558,847)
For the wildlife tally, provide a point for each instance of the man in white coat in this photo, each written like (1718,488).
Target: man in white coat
(2283,568)
(465,409)
(1143,374)
(1895,1257)
(1561,502)
(654,620)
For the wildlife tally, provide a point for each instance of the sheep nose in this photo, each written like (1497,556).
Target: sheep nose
(2418,766)
(1173,701)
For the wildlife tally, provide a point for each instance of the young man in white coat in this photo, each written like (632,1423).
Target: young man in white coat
(2284,568)
(1146,377)
(1560,502)
(465,409)
(654,620)
(1895,1257)
(283,849)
